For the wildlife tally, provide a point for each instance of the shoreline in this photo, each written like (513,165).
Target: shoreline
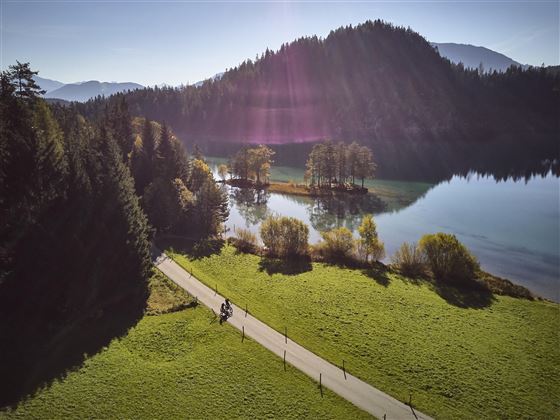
(491,261)
(297,189)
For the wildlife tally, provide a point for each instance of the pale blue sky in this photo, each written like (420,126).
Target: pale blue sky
(177,42)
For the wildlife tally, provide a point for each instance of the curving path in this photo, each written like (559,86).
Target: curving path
(347,386)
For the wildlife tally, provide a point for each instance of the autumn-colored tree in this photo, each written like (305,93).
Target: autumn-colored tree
(370,243)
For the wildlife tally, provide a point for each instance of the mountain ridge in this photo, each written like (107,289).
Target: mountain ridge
(471,56)
(47,84)
(84,91)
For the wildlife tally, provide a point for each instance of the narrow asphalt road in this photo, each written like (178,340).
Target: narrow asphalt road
(347,386)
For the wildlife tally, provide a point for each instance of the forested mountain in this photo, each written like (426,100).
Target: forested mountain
(382,85)
(472,56)
(87,90)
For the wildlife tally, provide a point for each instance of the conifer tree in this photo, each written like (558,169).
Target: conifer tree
(21,77)
(149,146)
(120,123)
(122,213)
(166,156)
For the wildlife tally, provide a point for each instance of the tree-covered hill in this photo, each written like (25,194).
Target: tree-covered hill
(379,84)
(371,82)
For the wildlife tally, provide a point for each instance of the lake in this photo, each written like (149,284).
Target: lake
(513,227)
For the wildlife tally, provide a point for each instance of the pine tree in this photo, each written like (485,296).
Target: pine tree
(120,122)
(149,145)
(21,77)
(166,155)
(122,214)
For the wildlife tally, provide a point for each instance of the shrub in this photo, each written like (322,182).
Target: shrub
(409,260)
(448,258)
(370,244)
(285,236)
(504,287)
(337,244)
(245,240)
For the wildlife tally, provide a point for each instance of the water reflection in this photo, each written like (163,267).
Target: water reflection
(512,227)
(251,204)
(509,219)
(326,213)
(323,213)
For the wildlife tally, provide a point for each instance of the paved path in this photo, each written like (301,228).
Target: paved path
(349,387)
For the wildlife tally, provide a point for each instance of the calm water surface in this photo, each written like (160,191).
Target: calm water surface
(512,227)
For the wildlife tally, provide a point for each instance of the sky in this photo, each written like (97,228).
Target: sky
(179,42)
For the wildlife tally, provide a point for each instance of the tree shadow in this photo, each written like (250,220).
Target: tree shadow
(378,272)
(194,248)
(473,297)
(285,266)
(42,339)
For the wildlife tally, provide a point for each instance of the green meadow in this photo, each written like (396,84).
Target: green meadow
(456,356)
(183,364)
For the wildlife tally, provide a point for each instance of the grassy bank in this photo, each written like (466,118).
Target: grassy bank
(460,356)
(183,364)
(289,188)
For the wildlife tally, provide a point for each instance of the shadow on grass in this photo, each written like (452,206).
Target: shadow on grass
(288,267)
(43,338)
(194,248)
(378,272)
(474,297)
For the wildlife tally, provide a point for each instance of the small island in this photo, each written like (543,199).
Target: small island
(331,169)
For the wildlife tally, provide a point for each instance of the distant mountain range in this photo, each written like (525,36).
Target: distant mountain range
(82,91)
(48,84)
(471,56)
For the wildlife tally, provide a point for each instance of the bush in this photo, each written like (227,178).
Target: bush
(409,260)
(337,244)
(504,287)
(245,240)
(448,258)
(285,236)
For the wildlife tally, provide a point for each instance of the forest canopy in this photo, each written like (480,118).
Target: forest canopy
(80,201)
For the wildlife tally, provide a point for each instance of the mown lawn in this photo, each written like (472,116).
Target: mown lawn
(496,359)
(183,365)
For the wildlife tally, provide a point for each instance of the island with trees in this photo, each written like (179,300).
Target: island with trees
(331,168)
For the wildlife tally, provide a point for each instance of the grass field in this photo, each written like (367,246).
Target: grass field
(497,358)
(183,365)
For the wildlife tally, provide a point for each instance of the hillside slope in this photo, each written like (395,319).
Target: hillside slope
(471,56)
